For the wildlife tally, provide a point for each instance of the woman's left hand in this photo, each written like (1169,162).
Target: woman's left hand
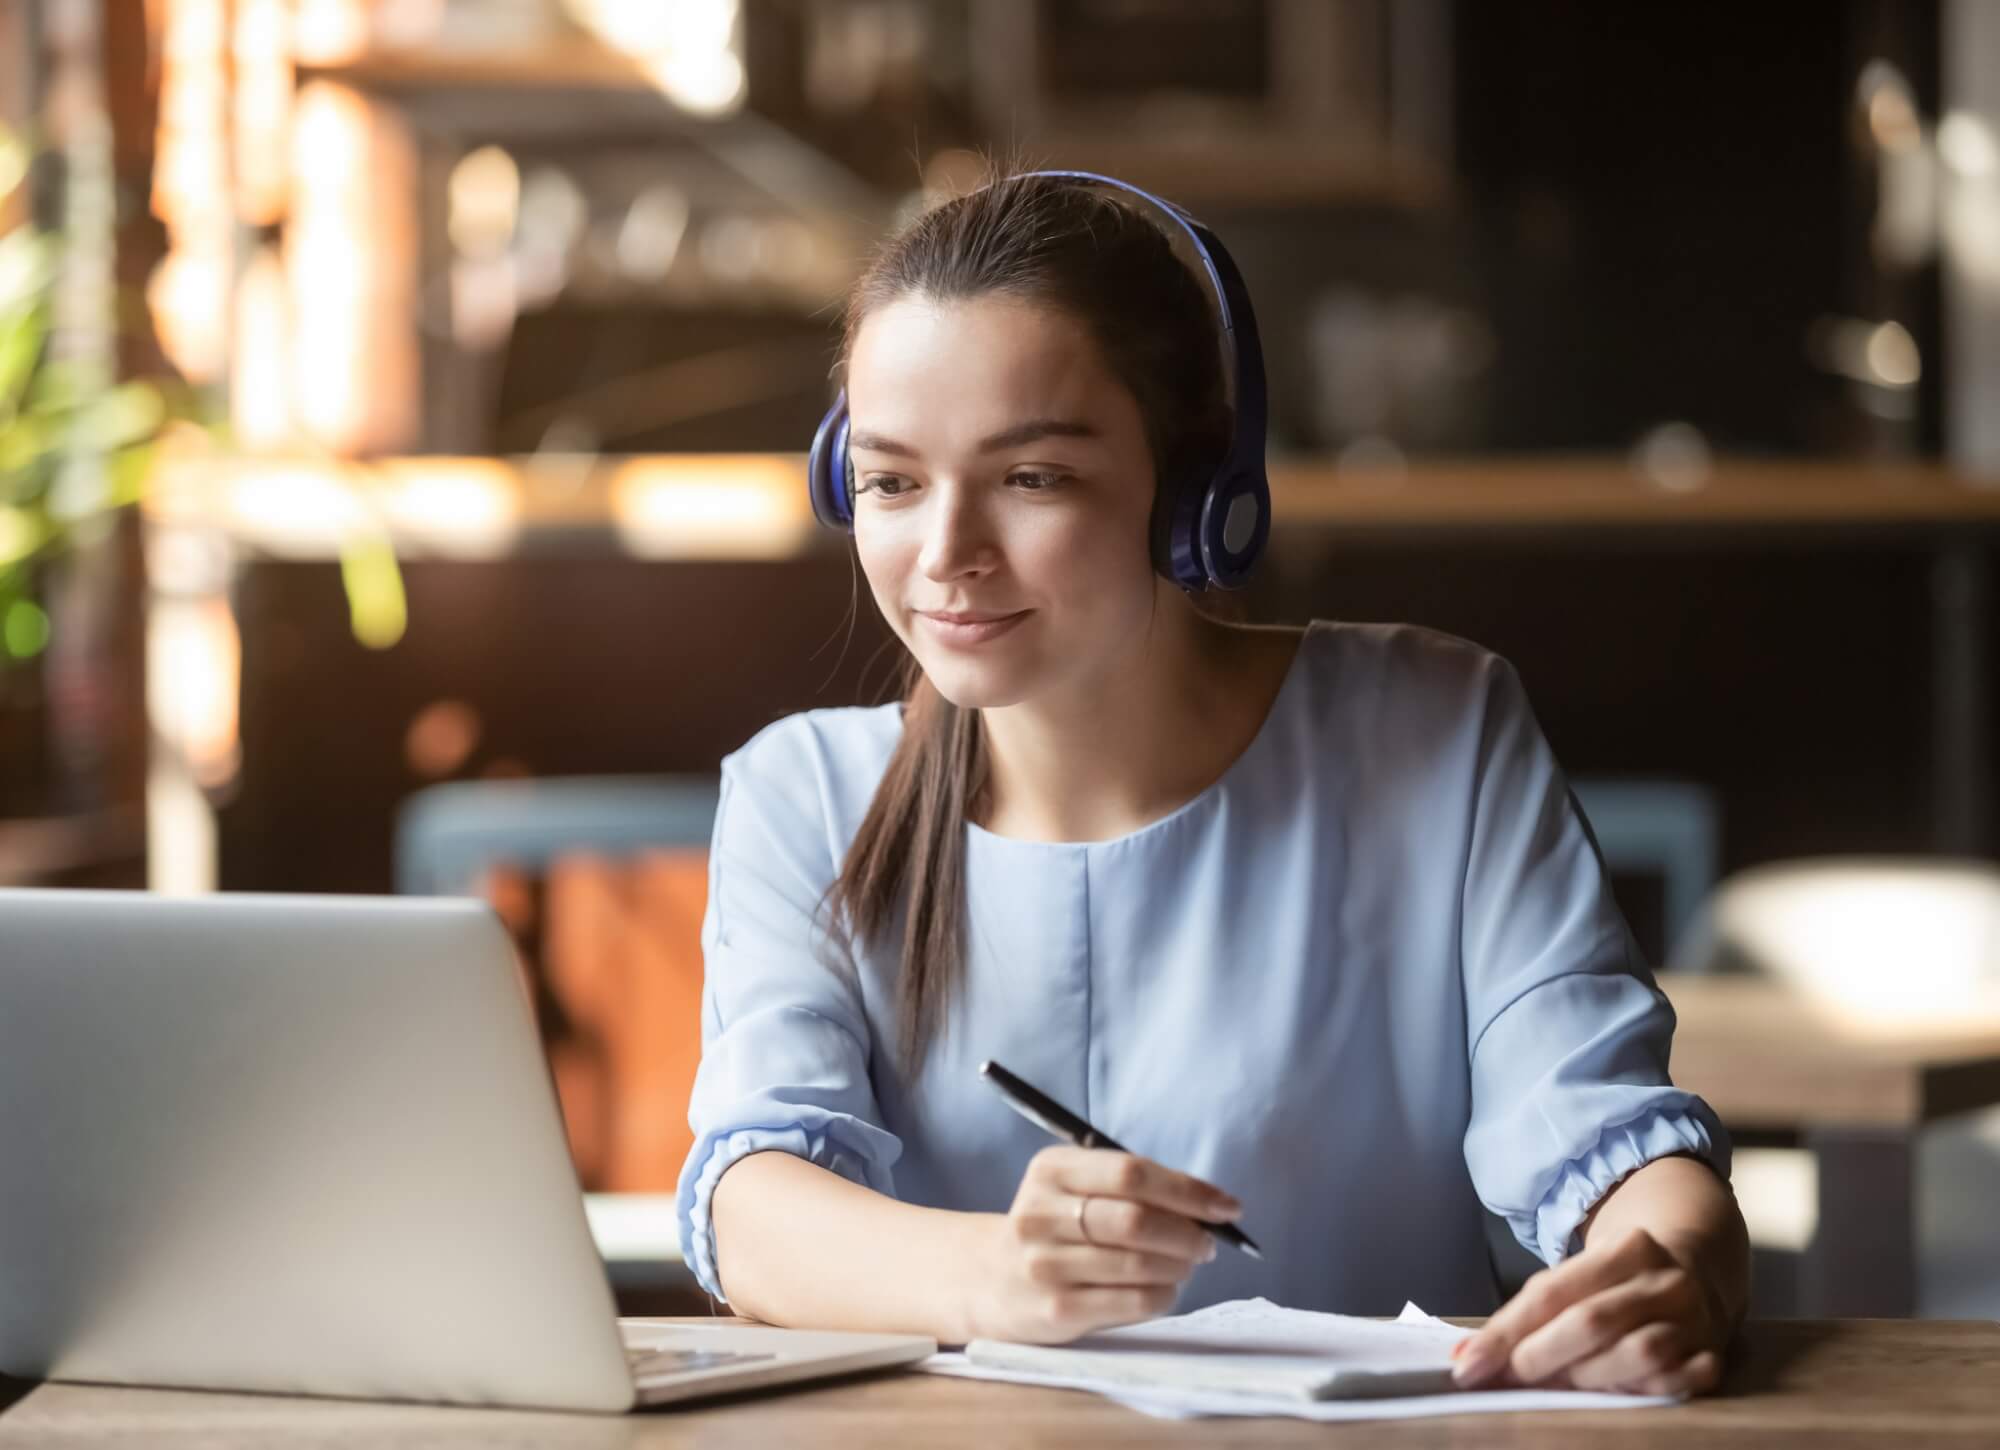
(1625,1316)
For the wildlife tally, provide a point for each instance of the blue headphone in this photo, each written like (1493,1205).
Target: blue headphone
(1212,522)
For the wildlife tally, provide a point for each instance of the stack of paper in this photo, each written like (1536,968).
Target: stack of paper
(1252,1357)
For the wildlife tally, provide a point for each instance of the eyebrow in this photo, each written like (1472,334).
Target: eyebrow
(1014,437)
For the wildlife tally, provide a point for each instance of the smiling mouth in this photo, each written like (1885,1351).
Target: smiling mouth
(964,630)
(944,618)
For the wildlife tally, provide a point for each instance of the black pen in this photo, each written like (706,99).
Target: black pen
(1045,1112)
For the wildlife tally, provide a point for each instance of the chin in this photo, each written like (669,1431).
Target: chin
(975,684)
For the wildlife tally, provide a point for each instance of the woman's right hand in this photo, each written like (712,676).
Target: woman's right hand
(1094,1238)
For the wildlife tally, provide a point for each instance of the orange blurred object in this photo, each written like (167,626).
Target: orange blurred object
(614,953)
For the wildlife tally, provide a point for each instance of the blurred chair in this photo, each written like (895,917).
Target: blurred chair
(446,835)
(1900,943)
(603,882)
(1669,829)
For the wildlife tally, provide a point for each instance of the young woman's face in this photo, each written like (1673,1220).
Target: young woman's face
(1003,484)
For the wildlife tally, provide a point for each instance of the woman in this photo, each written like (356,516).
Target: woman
(1306,913)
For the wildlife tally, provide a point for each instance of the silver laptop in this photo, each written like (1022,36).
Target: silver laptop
(309,1145)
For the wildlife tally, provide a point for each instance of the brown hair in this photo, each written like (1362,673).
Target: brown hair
(1066,245)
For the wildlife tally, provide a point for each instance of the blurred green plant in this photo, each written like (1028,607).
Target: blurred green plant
(55,416)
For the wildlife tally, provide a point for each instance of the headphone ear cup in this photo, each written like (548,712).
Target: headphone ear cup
(1176,522)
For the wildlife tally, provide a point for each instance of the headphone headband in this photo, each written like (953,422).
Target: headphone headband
(1213,527)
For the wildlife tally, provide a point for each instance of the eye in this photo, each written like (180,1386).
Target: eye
(1029,481)
(883,485)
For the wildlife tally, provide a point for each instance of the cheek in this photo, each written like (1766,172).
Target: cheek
(1096,554)
(883,561)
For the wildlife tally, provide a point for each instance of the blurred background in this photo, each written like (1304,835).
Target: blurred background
(402,409)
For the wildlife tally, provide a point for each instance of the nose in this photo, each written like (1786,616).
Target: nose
(958,538)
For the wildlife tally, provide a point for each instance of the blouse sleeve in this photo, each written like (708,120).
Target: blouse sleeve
(1567,1032)
(785,1042)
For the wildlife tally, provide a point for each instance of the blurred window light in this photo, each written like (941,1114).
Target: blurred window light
(188,300)
(485,300)
(1778,1191)
(1966,145)
(411,23)
(350,259)
(1892,357)
(738,506)
(1674,456)
(485,201)
(188,294)
(1879,354)
(690,49)
(650,237)
(260,54)
(326,32)
(194,663)
(259,404)
(552,216)
(294,510)
(462,507)
(708,85)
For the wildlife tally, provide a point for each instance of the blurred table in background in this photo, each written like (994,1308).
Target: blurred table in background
(1855,1090)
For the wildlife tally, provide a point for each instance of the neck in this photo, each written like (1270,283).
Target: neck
(1139,739)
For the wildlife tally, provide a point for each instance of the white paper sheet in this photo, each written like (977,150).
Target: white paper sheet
(1270,1335)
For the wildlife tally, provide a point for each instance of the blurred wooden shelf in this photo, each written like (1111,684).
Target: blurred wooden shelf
(568,62)
(753,505)
(1606,492)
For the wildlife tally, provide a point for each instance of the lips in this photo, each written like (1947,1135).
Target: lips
(965,629)
(976,616)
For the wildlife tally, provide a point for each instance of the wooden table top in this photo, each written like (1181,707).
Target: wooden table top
(1791,1383)
(1763,1055)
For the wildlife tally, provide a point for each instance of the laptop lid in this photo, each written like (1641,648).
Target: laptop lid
(288,1143)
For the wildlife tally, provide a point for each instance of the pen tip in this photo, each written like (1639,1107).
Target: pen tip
(1251,1250)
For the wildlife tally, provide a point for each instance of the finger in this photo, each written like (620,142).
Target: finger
(1546,1295)
(1594,1325)
(1125,1223)
(1699,1375)
(1069,1312)
(1063,1265)
(1647,1353)
(1102,1173)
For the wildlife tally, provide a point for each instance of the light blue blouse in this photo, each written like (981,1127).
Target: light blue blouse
(1370,979)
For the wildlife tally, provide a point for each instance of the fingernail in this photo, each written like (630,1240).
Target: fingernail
(1209,1253)
(1227,1208)
(1474,1367)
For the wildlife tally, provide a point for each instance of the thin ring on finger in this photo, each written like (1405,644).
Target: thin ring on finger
(1081,1204)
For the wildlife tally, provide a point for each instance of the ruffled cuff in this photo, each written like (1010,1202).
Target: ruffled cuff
(1620,1150)
(835,1141)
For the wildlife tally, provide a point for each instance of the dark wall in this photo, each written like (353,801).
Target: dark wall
(1793,677)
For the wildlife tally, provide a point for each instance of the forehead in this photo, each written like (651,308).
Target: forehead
(975,360)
